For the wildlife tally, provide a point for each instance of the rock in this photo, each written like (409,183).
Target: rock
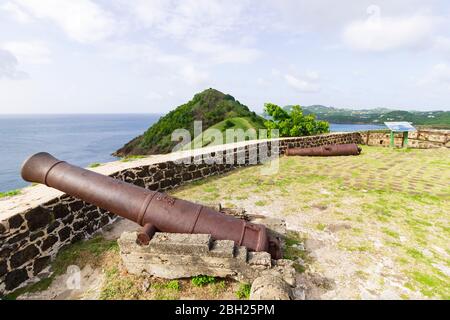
(269,287)
(16,221)
(23,256)
(298,293)
(40,264)
(2,228)
(49,242)
(64,233)
(3,268)
(37,218)
(15,278)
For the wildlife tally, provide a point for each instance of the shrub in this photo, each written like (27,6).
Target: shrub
(293,123)
(200,281)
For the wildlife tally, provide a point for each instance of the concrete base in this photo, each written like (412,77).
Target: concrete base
(175,255)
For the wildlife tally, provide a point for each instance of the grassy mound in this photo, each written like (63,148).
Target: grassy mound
(210,107)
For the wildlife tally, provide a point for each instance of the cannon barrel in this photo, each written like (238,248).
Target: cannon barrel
(350,149)
(152,210)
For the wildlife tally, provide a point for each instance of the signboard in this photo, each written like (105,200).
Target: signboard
(401,126)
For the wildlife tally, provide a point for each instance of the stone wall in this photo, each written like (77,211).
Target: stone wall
(35,228)
(423,139)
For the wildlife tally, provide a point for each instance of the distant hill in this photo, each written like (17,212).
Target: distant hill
(377,115)
(210,106)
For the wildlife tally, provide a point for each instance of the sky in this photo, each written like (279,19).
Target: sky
(149,56)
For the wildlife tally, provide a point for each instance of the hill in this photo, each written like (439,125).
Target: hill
(377,115)
(210,106)
(208,138)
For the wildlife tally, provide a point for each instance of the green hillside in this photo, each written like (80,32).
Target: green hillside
(208,138)
(210,106)
(378,115)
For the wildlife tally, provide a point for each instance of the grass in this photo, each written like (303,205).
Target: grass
(202,280)
(132,158)
(244,291)
(293,251)
(10,193)
(94,165)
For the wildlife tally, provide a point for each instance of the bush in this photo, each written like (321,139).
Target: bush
(293,123)
(200,281)
(229,124)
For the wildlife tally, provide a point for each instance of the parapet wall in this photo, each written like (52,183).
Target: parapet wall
(422,139)
(36,224)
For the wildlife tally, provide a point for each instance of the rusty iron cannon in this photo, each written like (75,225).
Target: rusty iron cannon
(154,211)
(350,149)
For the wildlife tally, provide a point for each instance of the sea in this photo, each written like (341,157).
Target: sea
(80,139)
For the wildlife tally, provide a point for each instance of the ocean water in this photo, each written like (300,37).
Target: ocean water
(337,127)
(78,139)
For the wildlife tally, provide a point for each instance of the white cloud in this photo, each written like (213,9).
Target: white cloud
(33,52)
(379,33)
(149,59)
(153,96)
(9,66)
(194,76)
(16,12)
(438,76)
(81,20)
(178,19)
(308,83)
(442,44)
(222,52)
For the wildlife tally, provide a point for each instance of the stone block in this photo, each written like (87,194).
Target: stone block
(23,256)
(270,287)
(15,278)
(222,248)
(173,256)
(180,243)
(16,221)
(262,259)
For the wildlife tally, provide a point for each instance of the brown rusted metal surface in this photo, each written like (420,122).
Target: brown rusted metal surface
(148,208)
(350,149)
(146,234)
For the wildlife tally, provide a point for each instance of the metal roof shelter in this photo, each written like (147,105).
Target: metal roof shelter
(401,126)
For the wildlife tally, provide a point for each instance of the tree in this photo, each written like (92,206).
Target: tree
(293,123)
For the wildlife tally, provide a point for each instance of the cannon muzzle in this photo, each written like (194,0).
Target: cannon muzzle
(152,210)
(350,149)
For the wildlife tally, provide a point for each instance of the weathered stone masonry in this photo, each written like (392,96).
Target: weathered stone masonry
(422,139)
(30,239)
